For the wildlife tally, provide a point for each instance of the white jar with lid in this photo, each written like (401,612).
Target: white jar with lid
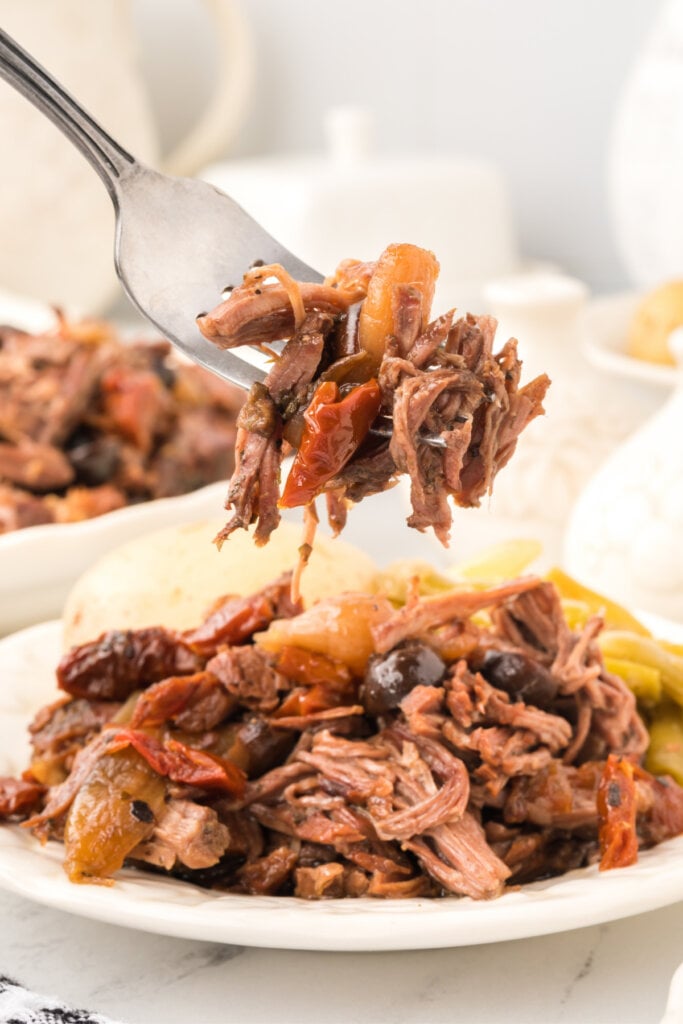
(350,202)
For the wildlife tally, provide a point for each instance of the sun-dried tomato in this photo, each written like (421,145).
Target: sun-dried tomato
(335,427)
(321,697)
(181,763)
(118,662)
(136,405)
(617,806)
(234,619)
(323,682)
(309,668)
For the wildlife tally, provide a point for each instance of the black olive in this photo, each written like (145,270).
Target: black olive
(389,677)
(95,460)
(81,435)
(522,677)
(259,747)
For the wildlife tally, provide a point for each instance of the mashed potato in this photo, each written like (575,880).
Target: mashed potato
(660,313)
(170,577)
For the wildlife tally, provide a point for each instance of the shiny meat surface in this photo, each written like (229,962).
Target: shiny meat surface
(272,751)
(361,350)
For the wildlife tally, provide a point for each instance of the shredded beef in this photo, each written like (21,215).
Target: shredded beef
(60,797)
(460,859)
(267,875)
(188,833)
(81,503)
(420,615)
(37,467)
(18,797)
(248,675)
(20,508)
(270,779)
(197,703)
(60,730)
(199,450)
(264,315)
(440,379)
(254,488)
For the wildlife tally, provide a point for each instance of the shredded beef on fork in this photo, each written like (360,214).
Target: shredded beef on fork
(369,323)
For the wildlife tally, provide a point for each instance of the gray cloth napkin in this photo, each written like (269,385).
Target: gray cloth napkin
(19,1006)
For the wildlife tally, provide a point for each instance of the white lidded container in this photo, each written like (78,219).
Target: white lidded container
(351,202)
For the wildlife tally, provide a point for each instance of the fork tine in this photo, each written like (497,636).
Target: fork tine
(431,440)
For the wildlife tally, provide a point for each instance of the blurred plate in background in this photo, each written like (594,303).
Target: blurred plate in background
(39,564)
(605,329)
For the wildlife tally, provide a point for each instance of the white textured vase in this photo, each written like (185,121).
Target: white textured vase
(625,536)
(645,168)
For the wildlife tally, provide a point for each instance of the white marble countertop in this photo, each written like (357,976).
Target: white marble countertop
(609,974)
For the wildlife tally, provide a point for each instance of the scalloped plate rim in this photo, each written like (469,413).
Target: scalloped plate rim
(40,564)
(48,533)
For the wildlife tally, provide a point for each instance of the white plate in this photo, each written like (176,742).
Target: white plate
(154,904)
(605,324)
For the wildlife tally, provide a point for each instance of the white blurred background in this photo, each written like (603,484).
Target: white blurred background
(530,88)
(529,84)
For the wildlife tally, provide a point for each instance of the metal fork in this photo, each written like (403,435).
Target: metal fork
(178,241)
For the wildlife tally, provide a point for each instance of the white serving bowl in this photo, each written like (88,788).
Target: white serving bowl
(39,565)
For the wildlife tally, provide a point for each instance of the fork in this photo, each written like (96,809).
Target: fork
(178,241)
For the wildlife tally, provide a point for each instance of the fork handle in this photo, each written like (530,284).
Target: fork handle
(27,76)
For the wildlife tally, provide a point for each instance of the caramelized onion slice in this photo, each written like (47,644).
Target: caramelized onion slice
(339,628)
(115,809)
(401,265)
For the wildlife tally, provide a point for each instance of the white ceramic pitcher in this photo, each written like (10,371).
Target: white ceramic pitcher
(55,218)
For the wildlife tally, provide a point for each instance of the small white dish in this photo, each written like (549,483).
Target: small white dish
(169,907)
(605,328)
